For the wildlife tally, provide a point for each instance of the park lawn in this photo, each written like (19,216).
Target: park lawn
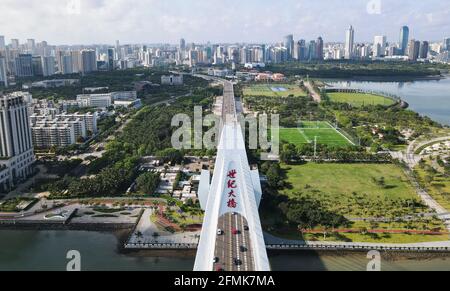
(355,190)
(266,90)
(360,99)
(439,188)
(325,134)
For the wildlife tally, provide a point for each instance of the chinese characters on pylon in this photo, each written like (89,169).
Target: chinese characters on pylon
(231,186)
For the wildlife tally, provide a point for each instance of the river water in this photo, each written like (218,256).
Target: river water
(430,98)
(46,250)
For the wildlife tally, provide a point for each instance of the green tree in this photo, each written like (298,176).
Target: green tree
(148,182)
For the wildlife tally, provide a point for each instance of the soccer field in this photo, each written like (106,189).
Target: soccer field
(274,90)
(307,132)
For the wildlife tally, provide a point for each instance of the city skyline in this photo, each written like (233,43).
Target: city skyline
(134,22)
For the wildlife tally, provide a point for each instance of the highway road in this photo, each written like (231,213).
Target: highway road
(233,247)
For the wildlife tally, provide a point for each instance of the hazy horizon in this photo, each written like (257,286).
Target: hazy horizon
(90,22)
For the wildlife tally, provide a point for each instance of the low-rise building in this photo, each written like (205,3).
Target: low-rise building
(105,100)
(172,80)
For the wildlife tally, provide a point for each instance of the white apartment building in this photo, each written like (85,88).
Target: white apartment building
(53,134)
(16,146)
(90,119)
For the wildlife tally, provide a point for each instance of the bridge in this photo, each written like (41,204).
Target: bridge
(231,238)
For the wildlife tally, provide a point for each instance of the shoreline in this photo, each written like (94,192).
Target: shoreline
(385,79)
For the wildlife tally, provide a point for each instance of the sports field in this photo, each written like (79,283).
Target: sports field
(273,90)
(308,130)
(360,99)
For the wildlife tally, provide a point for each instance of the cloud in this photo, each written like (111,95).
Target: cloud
(155,21)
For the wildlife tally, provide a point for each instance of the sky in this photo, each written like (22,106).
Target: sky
(227,21)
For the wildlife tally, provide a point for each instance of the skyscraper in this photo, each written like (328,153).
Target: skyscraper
(289,45)
(3,75)
(447,43)
(88,61)
(404,40)
(111,57)
(118,51)
(76,61)
(349,43)
(312,50)
(48,66)
(2,42)
(16,147)
(38,68)
(15,44)
(319,49)
(24,65)
(379,46)
(413,50)
(31,45)
(182,45)
(424,48)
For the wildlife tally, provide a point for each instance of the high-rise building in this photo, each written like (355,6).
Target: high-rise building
(31,45)
(404,40)
(88,61)
(349,43)
(3,73)
(38,68)
(76,61)
(182,45)
(24,65)
(16,146)
(319,49)
(111,56)
(118,51)
(424,48)
(15,44)
(2,42)
(312,50)
(300,50)
(48,66)
(379,46)
(447,44)
(289,45)
(413,50)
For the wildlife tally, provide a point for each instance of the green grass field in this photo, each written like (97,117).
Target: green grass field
(360,99)
(438,186)
(274,90)
(360,192)
(326,134)
(354,190)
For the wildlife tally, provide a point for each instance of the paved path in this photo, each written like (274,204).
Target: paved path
(316,96)
(272,240)
(147,233)
(411,158)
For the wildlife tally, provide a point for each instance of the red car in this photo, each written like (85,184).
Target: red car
(235,231)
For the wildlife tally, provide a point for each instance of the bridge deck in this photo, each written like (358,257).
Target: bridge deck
(234,249)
